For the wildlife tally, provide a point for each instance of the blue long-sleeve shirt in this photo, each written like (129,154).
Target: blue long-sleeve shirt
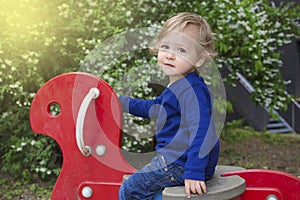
(185,130)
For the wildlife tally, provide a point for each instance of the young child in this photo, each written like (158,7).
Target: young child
(187,143)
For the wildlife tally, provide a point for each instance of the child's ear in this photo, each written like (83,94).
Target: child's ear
(200,62)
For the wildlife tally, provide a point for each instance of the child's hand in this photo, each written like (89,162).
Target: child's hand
(195,186)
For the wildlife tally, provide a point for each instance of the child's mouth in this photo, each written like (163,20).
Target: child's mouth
(169,65)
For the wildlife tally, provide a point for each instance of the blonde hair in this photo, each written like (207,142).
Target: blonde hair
(204,35)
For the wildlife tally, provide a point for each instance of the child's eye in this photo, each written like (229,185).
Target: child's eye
(181,50)
(164,46)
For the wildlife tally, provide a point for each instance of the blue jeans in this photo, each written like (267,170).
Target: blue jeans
(152,178)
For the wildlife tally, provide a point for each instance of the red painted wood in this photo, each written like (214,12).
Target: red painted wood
(102,127)
(260,184)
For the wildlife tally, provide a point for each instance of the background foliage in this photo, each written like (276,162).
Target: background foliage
(40,39)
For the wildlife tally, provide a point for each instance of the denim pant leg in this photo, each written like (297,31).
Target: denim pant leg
(154,177)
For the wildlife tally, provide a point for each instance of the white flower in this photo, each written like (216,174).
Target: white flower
(8,62)
(96,21)
(43,169)
(241,12)
(32,142)
(264,51)
(128,13)
(19,149)
(251,36)
(277,25)
(262,32)
(43,162)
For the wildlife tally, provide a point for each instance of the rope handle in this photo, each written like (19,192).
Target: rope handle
(92,94)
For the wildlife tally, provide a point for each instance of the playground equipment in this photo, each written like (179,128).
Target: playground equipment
(87,127)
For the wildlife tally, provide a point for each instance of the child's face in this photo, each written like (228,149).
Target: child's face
(178,53)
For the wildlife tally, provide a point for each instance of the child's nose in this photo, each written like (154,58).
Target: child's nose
(170,55)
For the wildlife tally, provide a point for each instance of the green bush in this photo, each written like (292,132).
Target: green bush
(30,158)
(249,37)
(41,39)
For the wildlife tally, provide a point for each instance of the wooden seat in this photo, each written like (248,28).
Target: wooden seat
(218,187)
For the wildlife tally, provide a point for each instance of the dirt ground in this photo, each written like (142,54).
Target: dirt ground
(282,154)
(254,151)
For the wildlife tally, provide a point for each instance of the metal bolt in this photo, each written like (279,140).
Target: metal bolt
(96,92)
(172,178)
(101,150)
(87,192)
(88,151)
(272,197)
